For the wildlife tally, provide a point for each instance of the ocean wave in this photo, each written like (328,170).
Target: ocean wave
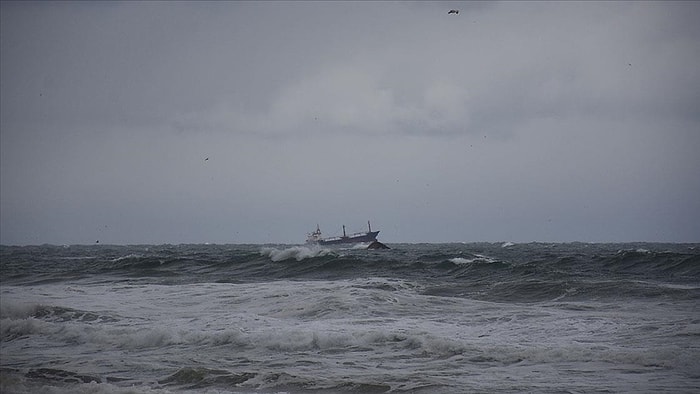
(298,253)
(78,333)
(63,381)
(528,273)
(11,329)
(199,378)
(50,313)
(130,256)
(386,284)
(477,258)
(17,310)
(461,260)
(344,334)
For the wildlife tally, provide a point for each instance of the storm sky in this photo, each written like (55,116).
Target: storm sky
(252,122)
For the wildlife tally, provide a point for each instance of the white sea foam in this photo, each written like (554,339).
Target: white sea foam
(478,258)
(127,257)
(294,332)
(295,252)
(461,260)
(17,309)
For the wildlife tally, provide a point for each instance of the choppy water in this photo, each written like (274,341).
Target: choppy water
(446,318)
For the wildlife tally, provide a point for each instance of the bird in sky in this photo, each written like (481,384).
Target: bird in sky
(453,12)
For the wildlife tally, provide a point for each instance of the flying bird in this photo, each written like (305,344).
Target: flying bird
(453,12)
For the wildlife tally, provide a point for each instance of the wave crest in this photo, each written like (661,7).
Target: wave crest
(295,252)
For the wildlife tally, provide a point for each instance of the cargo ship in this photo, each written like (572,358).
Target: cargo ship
(317,238)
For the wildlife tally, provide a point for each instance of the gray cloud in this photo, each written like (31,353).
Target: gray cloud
(511,121)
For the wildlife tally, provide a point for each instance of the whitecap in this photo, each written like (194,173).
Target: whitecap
(461,260)
(295,252)
(127,257)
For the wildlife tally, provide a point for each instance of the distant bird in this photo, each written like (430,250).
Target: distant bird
(453,12)
(207,159)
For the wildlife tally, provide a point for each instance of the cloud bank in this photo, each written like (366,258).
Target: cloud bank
(510,121)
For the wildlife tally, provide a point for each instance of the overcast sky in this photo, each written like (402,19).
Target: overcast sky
(236,122)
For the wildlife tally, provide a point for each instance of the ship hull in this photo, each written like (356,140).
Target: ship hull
(355,238)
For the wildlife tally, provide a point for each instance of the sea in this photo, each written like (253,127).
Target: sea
(417,318)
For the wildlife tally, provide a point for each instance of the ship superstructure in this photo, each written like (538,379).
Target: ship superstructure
(317,238)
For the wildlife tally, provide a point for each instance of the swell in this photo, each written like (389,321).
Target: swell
(526,271)
(611,276)
(642,261)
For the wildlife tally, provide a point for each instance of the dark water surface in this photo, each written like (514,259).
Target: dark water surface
(421,318)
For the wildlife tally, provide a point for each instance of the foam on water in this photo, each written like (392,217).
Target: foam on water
(362,322)
(295,252)
(476,258)
(385,320)
(462,260)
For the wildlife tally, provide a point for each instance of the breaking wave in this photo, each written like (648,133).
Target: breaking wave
(297,253)
(423,318)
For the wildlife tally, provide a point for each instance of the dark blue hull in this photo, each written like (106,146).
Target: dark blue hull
(355,238)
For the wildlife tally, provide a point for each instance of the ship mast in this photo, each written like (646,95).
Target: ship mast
(369,227)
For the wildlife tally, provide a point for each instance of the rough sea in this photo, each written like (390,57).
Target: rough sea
(419,318)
